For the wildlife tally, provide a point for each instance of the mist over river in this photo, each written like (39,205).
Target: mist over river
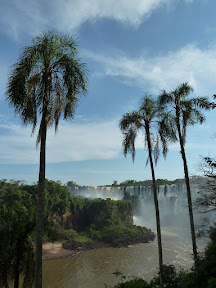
(93,269)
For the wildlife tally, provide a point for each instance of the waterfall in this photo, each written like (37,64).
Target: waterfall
(172,201)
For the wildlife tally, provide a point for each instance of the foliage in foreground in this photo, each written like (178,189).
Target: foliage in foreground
(17,214)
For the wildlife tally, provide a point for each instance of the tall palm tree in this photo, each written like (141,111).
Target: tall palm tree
(146,119)
(44,85)
(185,111)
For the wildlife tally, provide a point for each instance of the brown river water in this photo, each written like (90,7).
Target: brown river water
(93,269)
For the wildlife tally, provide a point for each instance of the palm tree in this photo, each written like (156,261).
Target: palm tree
(145,119)
(185,112)
(46,83)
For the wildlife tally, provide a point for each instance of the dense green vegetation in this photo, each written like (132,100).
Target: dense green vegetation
(17,223)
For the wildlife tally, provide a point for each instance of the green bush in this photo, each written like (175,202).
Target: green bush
(135,283)
(82,238)
(68,234)
(171,278)
(121,235)
(52,232)
(211,283)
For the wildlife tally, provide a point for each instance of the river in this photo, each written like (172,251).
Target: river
(93,269)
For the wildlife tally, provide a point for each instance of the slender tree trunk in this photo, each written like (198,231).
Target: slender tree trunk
(160,253)
(5,276)
(190,208)
(40,205)
(16,272)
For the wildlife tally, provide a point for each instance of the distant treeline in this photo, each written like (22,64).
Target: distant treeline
(193,180)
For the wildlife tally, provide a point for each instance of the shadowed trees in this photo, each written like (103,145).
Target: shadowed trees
(146,119)
(185,111)
(44,86)
(17,222)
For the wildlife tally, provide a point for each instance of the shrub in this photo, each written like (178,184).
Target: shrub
(68,234)
(135,283)
(121,235)
(171,277)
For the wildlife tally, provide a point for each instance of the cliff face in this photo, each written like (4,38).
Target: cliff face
(111,222)
(102,213)
(97,213)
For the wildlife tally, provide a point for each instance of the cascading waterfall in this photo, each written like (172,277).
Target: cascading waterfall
(172,202)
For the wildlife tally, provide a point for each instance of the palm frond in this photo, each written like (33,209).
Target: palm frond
(16,92)
(129,142)
(164,99)
(129,119)
(156,151)
(166,130)
(147,161)
(148,108)
(183,90)
(203,103)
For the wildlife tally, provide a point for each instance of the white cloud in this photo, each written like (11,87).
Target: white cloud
(190,63)
(73,142)
(30,16)
(4,72)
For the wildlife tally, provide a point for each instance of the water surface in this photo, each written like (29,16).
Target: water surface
(92,269)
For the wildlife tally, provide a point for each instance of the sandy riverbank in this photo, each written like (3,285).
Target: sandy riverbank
(55,250)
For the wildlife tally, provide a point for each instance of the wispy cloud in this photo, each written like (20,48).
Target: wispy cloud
(73,142)
(4,72)
(190,63)
(30,16)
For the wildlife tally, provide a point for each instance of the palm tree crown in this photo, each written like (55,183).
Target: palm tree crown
(47,78)
(184,111)
(148,117)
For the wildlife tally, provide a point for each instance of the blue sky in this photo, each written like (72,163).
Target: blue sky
(131,48)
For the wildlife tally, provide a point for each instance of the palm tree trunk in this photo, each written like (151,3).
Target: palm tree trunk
(40,206)
(16,272)
(190,208)
(156,208)
(5,275)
